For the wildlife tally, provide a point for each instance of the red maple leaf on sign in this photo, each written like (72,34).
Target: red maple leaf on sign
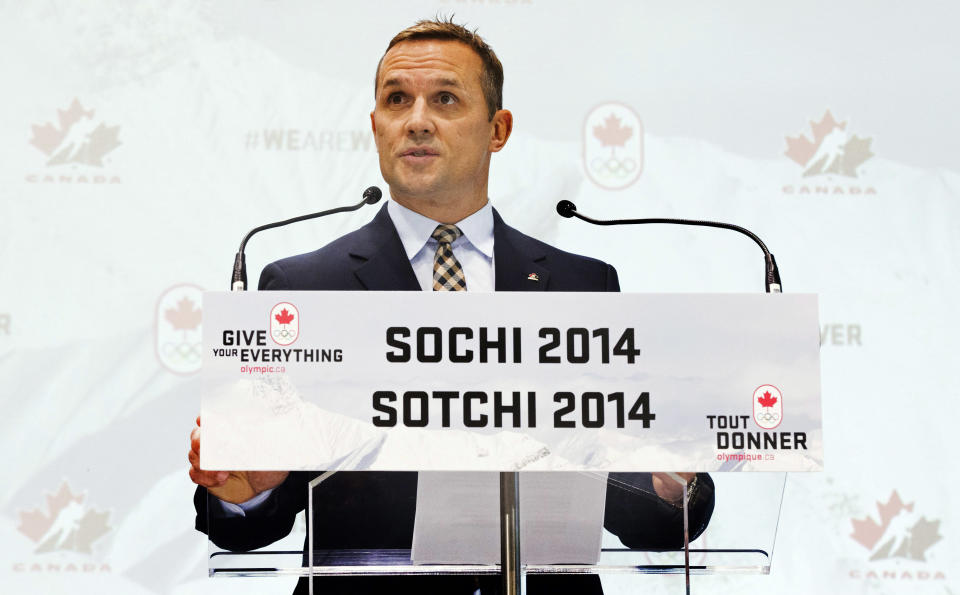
(612,133)
(284,317)
(767,400)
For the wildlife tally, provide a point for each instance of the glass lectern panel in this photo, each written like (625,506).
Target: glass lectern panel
(732,521)
(352,523)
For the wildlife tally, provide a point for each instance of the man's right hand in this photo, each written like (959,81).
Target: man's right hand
(229,486)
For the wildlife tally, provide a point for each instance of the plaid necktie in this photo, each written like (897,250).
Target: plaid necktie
(447,272)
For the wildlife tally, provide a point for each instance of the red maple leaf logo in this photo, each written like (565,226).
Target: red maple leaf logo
(867,532)
(185,316)
(284,317)
(612,133)
(801,149)
(67,524)
(76,138)
(830,151)
(48,137)
(767,400)
(909,542)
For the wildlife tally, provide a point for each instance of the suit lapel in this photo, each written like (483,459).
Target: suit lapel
(520,263)
(383,263)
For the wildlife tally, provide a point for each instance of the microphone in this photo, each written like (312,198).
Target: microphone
(238,281)
(567,209)
(372,195)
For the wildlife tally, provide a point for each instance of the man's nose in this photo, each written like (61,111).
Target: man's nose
(420,120)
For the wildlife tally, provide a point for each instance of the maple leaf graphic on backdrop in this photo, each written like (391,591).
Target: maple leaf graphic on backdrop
(911,545)
(867,532)
(66,525)
(76,139)
(184,317)
(920,537)
(830,151)
(612,133)
(767,400)
(284,317)
(48,137)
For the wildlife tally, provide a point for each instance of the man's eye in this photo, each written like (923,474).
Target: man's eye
(395,98)
(447,98)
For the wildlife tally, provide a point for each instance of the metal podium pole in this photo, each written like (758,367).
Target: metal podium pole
(510,533)
(686,536)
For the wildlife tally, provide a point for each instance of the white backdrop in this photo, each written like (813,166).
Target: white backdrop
(139,141)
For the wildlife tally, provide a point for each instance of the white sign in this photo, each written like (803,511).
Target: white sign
(506,381)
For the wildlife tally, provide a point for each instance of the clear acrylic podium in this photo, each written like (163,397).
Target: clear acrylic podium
(738,539)
(642,534)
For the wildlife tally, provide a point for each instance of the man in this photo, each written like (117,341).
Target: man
(438,119)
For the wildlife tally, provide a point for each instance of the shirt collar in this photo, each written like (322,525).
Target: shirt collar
(415,230)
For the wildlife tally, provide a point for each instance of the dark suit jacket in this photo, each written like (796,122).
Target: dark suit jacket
(373,510)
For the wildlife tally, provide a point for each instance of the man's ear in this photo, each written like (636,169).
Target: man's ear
(502,127)
(373,127)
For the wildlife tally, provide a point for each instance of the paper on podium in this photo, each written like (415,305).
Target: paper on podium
(458,518)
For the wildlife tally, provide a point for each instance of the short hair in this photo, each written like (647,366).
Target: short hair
(491,76)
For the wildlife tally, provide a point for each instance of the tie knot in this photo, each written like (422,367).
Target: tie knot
(446,233)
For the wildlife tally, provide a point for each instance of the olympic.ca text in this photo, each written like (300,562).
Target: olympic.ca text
(262,369)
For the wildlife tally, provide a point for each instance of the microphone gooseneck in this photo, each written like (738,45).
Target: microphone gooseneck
(238,281)
(567,209)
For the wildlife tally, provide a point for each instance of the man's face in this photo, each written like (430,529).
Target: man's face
(431,123)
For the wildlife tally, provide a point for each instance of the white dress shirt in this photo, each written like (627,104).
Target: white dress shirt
(473,249)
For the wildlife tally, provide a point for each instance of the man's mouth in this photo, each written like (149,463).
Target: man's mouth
(419,152)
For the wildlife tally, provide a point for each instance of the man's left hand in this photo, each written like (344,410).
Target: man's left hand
(670,489)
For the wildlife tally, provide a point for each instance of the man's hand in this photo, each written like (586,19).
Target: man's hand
(670,489)
(229,486)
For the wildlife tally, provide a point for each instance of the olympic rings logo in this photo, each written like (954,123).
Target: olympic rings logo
(613,167)
(285,334)
(182,352)
(768,416)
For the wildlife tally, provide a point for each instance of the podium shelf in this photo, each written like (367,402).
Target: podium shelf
(397,562)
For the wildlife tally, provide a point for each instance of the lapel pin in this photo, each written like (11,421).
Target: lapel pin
(533,277)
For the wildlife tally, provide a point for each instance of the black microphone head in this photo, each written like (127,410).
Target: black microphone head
(372,195)
(565,208)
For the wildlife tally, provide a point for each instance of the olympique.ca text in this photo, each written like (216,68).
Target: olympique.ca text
(262,369)
(745,457)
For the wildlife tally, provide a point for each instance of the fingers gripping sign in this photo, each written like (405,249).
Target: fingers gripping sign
(229,486)
(669,486)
